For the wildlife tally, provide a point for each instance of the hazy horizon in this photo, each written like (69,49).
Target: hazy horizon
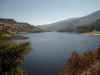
(38,12)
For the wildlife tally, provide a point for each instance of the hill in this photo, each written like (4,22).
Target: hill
(73,23)
(12,26)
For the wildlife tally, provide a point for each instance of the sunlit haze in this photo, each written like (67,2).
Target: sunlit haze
(38,12)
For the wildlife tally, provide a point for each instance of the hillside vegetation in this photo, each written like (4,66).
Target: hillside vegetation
(12,26)
(83,24)
(94,26)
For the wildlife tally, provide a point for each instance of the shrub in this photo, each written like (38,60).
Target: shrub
(81,64)
(12,56)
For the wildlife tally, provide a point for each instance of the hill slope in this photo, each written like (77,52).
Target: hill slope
(71,24)
(10,25)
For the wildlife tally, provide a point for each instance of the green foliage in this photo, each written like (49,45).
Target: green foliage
(12,56)
(10,36)
(2,33)
(5,35)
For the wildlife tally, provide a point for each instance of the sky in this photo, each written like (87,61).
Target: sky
(39,12)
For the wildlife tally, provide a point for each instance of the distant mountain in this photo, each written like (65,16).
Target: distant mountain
(10,25)
(72,24)
(94,26)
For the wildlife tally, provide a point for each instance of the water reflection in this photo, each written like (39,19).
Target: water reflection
(52,49)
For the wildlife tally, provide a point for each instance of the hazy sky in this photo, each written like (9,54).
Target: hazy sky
(46,11)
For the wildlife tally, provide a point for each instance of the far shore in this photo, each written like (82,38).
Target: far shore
(93,33)
(13,37)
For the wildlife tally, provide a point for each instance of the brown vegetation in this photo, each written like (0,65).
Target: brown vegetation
(86,64)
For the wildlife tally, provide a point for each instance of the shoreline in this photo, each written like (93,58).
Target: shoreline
(14,38)
(93,33)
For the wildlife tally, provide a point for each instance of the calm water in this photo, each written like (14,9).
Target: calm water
(50,50)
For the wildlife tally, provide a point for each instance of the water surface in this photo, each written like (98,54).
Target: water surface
(50,50)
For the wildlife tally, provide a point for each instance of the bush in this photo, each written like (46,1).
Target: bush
(80,64)
(12,56)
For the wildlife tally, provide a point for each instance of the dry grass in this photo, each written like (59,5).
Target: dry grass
(86,64)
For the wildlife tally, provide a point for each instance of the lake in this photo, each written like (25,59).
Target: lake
(51,50)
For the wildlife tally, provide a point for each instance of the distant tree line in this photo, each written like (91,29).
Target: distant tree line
(84,28)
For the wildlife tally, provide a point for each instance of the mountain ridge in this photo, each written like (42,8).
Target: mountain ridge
(73,22)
